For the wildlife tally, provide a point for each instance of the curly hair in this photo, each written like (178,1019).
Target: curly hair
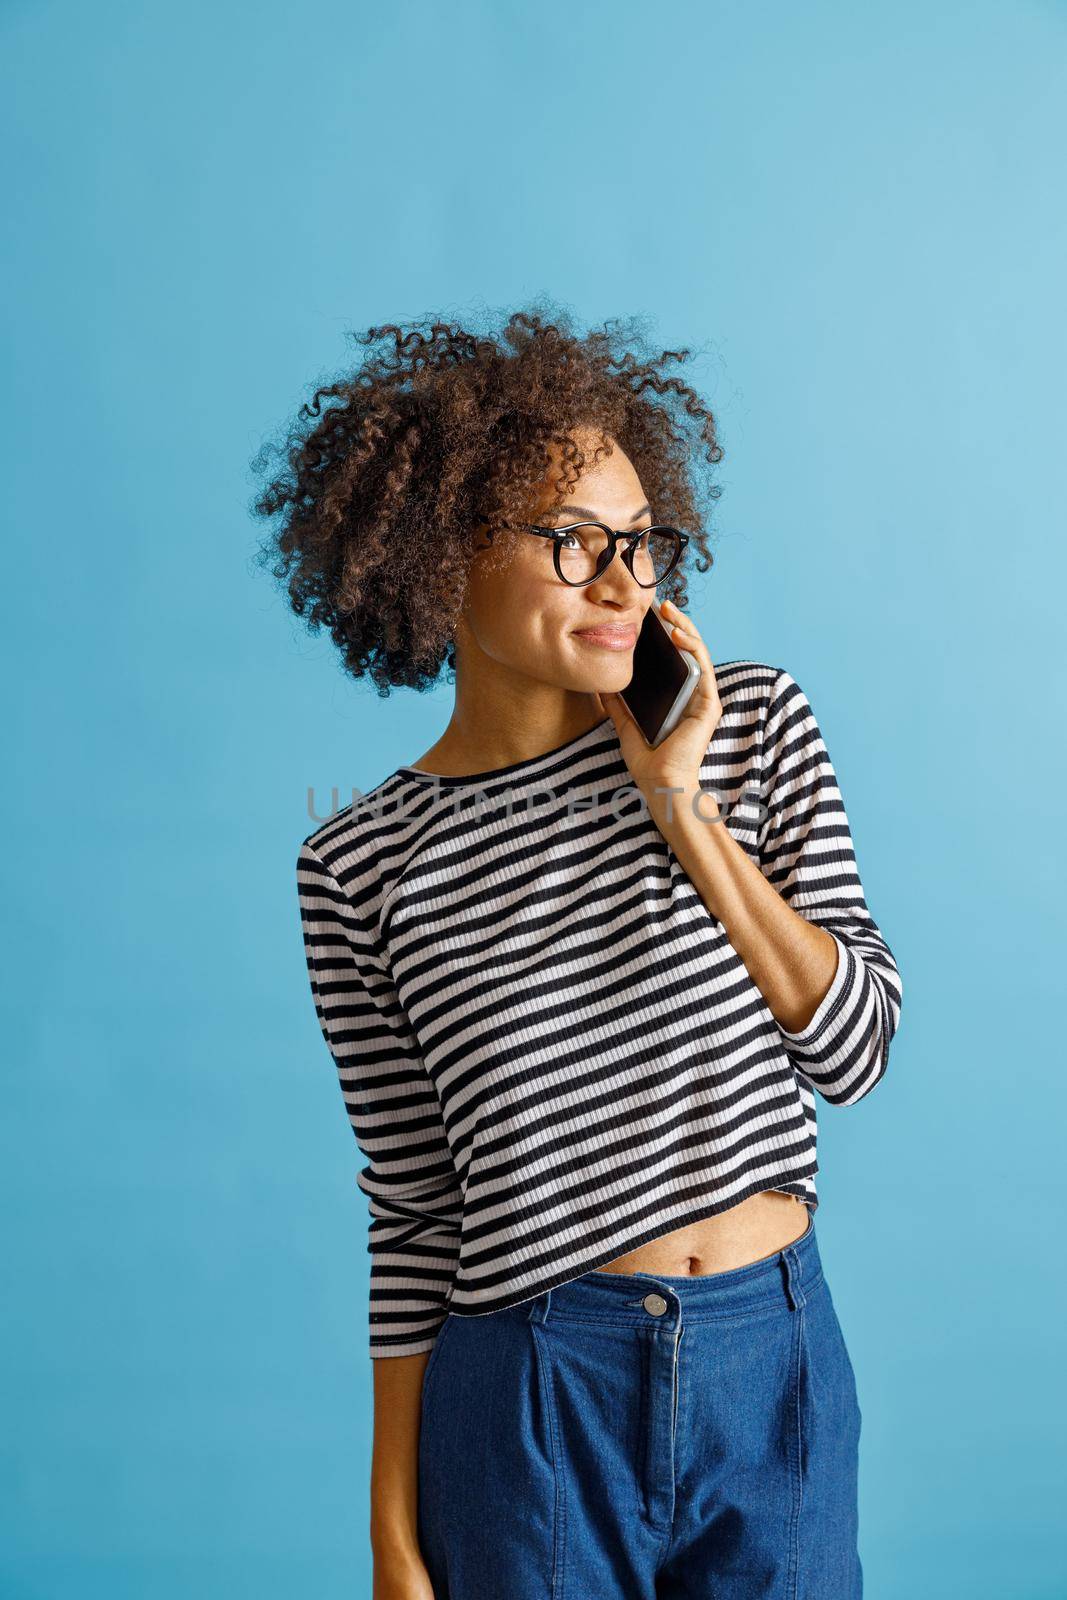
(440,432)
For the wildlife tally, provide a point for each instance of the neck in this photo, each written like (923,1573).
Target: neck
(500,726)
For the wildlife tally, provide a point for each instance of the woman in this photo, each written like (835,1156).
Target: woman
(581,994)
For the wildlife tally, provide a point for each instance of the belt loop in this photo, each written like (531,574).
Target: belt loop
(793,1274)
(539,1306)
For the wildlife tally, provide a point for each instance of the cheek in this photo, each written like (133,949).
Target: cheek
(512,629)
(517,616)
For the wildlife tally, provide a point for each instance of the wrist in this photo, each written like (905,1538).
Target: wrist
(682,804)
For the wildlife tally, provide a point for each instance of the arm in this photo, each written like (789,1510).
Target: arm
(394,1476)
(806,850)
(410,1180)
(799,920)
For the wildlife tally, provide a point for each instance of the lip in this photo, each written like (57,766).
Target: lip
(609,636)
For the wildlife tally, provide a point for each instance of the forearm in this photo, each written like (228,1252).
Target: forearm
(394,1463)
(790,960)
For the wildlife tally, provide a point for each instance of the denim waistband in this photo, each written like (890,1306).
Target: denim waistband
(637,1298)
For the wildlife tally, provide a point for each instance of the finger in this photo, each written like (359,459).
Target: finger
(676,618)
(686,635)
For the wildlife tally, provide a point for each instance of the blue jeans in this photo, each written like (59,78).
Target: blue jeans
(635,1436)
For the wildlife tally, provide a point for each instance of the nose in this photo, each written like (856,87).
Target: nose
(617,581)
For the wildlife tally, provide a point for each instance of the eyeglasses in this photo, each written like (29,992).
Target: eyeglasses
(582,551)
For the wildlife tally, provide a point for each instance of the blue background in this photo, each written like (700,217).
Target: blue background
(857,213)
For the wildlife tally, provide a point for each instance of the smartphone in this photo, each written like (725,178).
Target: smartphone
(663,680)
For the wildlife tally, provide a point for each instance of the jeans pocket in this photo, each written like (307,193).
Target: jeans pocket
(435,1353)
(846,1359)
(835,1336)
(550,1412)
(827,1548)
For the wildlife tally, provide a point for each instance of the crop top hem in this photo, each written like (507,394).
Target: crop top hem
(656,1230)
(791,1182)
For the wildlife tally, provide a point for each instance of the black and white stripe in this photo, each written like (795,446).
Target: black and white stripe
(550,1051)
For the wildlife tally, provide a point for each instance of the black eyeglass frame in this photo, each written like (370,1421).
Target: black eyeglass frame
(614,536)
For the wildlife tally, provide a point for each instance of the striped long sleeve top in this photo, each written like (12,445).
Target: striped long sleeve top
(549,1050)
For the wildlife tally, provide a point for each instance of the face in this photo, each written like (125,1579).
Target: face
(520,616)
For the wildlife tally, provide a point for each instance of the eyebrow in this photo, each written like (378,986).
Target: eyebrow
(584,511)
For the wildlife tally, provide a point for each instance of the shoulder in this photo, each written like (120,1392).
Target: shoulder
(744,675)
(750,687)
(766,715)
(759,683)
(352,845)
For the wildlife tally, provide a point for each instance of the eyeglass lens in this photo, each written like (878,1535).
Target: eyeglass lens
(583,550)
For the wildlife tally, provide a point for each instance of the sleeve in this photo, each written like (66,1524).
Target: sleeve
(806,852)
(410,1178)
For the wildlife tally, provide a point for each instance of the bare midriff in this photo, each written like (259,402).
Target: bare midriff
(757,1227)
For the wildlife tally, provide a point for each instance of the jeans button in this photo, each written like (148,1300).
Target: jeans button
(655,1303)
